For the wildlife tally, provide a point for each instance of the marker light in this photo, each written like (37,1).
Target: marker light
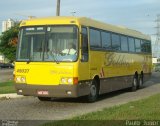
(20,91)
(69,92)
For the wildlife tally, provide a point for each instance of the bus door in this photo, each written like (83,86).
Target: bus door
(84,64)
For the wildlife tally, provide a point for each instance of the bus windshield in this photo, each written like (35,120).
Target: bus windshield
(51,43)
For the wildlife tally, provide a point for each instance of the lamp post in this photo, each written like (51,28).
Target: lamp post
(58,8)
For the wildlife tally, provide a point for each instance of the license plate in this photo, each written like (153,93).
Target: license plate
(42,92)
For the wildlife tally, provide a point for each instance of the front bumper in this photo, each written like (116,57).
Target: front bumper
(58,91)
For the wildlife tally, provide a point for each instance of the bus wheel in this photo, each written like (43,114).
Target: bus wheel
(140,83)
(92,97)
(134,84)
(44,98)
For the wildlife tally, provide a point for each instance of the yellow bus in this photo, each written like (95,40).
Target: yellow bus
(59,57)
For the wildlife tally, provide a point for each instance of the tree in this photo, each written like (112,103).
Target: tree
(9,40)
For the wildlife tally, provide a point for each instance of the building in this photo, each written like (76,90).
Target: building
(1,58)
(7,24)
(156,60)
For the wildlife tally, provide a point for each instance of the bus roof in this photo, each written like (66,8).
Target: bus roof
(86,22)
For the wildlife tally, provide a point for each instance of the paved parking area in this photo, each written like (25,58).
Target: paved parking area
(6,75)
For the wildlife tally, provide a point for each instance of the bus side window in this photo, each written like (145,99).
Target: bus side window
(84,45)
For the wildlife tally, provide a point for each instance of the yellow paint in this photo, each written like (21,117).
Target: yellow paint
(46,73)
(119,64)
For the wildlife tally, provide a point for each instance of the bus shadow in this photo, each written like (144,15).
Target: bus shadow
(113,94)
(151,82)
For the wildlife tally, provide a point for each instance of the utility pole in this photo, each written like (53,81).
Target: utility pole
(58,8)
(157,43)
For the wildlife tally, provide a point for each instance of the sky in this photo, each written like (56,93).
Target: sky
(136,14)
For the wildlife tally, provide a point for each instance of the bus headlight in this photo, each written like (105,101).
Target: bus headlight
(66,80)
(20,79)
(23,79)
(69,80)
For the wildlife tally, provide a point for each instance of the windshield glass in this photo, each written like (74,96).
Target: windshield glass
(62,44)
(54,43)
(31,43)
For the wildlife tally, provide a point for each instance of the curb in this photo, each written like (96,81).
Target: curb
(10,96)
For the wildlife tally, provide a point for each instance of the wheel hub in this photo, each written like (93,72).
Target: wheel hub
(135,82)
(93,90)
(140,82)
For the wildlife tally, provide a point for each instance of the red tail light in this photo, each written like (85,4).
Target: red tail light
(75,80)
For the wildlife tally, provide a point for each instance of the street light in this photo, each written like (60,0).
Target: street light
(58,8)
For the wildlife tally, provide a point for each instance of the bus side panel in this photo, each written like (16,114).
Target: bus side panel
(115,84)
(116,70)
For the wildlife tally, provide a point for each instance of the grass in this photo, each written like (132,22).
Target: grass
(7,87)
(146,109)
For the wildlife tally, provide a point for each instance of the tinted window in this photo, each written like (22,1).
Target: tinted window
(106,40)
(146,46)
(115,42)
(138,45)
(95,40)
(124,43)
(131,44)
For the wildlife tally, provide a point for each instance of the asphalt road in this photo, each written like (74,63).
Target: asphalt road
(30,108)
(6,75)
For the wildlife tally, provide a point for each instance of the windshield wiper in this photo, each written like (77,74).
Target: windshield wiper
(54,58)
(29,60)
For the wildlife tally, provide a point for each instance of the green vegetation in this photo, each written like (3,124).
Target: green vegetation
(8,43)
(7,87)
(146,109)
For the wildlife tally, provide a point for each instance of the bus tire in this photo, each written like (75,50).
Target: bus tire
(140,85)
(135,84)
(44,98)
(93,95)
